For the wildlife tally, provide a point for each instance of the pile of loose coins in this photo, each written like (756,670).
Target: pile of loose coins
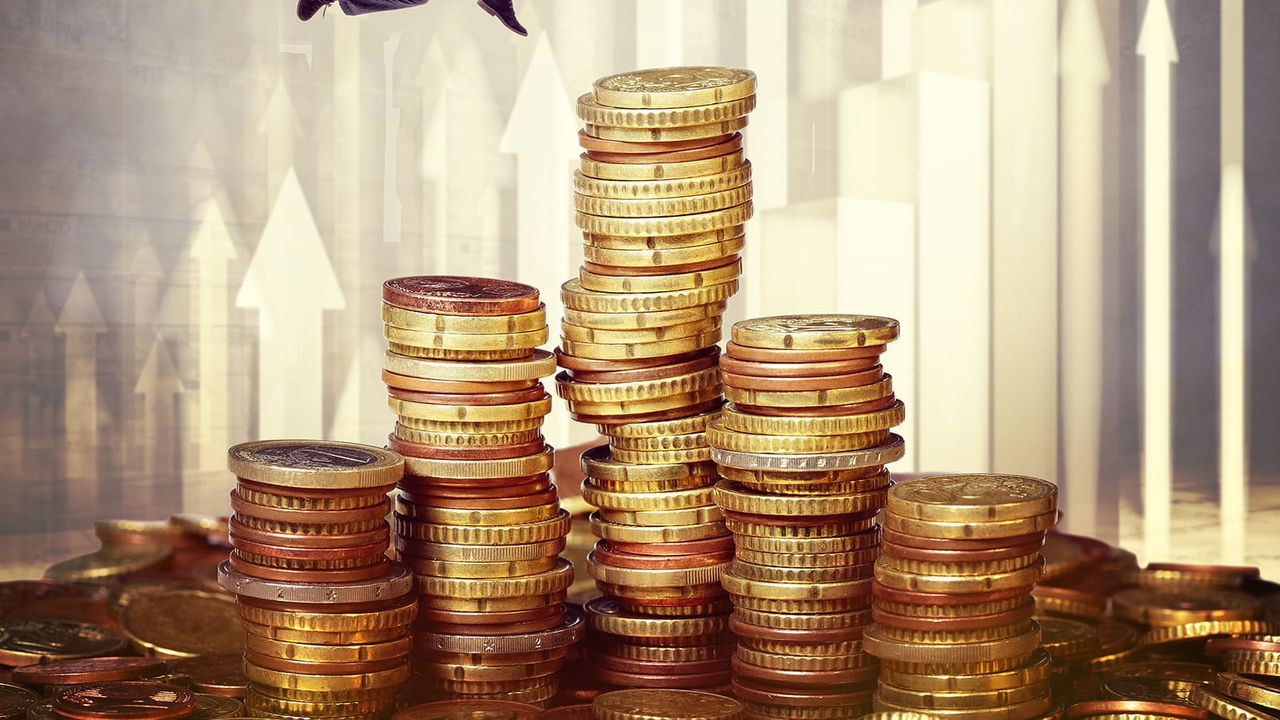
(662,195)
(953,625)
(327,615)
(477,518)
(801,447)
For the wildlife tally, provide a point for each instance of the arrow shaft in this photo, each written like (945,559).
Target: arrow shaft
(80,411)
(290,364)
(212,303)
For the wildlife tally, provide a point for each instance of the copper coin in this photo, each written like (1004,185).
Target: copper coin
(417,384)
(127,700)
(469,710)
(1135,707)
(514,628)
(732,144)
(662,667)
(900,538)
(915,597)
(688,547)
(1215,647)
(492,503)
(870,406)
(926,555)
(442,452)
(307,541)
(648,270)
(372,549)
(742,352)
(804,384)
(765,694)
(648,417)
(703,359)
(581,711)
(687,681)
(356,607)
(215,674)
(806,678)
(377,569)
(604,555)
(88,670)
(488,399)
(590,142)
(79,609)
(321,668)
(309,517)
(365,497)
(458,295)
(1240,571)
(853,522)
(738,366)
(419,495)
(418,483)
(824,635)
(16,593)
(945,624)
(488,617)
(574,363)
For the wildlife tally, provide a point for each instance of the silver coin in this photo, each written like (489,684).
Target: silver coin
(396,583)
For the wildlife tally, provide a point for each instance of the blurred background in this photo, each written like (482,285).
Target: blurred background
(1070,205)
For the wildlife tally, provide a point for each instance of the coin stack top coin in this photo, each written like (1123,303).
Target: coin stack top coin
(959,557)
(802,447)
(477,517)
(662,194)
(327,615)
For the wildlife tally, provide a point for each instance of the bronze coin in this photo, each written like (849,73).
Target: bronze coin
(308,517)
(463,491)
(945,556)
(649,270)
(510,628)
(742,352)
(321,668)
(372,549)
(459,295)
(806,678)
(766,694)
(1089,708)
(444,452)
(870,406)
(804,384)
(687,681)
(489,399)
(662,667)
(493,503)
(574,363)
(489,617)
(581,711)
(604,555)
(703,359)
(369,572)
(889,535)
(688,547)
(738,366)
(915,597)
(88,670)
(307,541)
(16,593)
(127,700)
(648,417)
(946,624)
(215,674)
(365,497)
(1215,647)
(469,710)
(77,609)
(733,143)
(590,142)
(824,635)
(427,385)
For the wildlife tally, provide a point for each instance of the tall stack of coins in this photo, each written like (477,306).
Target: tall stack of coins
(662,195)
(802,447)
(953,625)
(327,614)
(477,518)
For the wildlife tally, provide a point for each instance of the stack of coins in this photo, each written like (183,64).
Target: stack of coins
(801,448)
(662,195)
(327,614)
(953,609)
(477,517)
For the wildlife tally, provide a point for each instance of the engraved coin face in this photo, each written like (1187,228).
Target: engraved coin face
(14,701)
(183,623)
(975,490)
(456,294)
(310,456)
(815,331)
(644,703)
(135,700)
(676,79)
(314,463)
(25,641)
(209,707)
(469,710)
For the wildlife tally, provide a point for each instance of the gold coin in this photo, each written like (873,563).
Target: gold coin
(1225,706)
(842,648)
(662,428)
(663,188)
(696,497)
(928,701)
(973,498)
(315,464)
(815,332)
(539,365)
(554,580)
(817,479)
(807,560)
(489,673)
(108,562)
(1250,690)
(796,607)
(597,463)
(736,584)
(320,621)
(1067,639)
(659,653)
(661,207)
(493,604)
(674,87)
(488,687)
(662,242)
(433,353)
(485,553)
(680,578)
(1036,670)
(657,404)
(882,388)
(654,444)
(733,498)
(809,545)
(664,134)
(326,683)
(661,518)
(312,709)
(664,348)
(476,570)
(719,437)
(634,597)
(470,413)
(1163,608)
(926,655)
(954,637)
(1208,628)
(663,457)
(660,283)
(1032,708)
(600,170)
(352,637)
(628,321)
(522,466)
(970,530)
(802,663)
(465,440)
(506,517)
(829,425)
(658,704)
(671,258)
(308,652)
(952,568)
(576,297)
(801,621)
(654,534)
(594,113)
(640,390)
(576,333)
(958,584)
(604,615)
(467,427)
(182,623)
(654,486)
(464,324)
(826,530)
(534,532)
(424,340)
(777,574)
(951,611)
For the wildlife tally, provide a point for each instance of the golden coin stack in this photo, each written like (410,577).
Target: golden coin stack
(953,625)
(327,615)
(661,197)
(802,447)
(477,518)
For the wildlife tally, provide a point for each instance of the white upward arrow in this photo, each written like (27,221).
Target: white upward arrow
(211,251)
(541,132)
(281,126)
(159,384)
(291,282)
(391,142)
(1085,73)
(80,323)
(434,168)
(1156,46)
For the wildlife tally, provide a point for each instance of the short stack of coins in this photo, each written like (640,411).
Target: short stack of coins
(953,625)
(802,447)
(327,615)
(477,518)
(662,196)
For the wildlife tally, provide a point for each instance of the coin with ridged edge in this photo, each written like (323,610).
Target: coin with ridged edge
(973,498)
(315,464)
(879,455)
(815,332)
(398,581)
(661,704)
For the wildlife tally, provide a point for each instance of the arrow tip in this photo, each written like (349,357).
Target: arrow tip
(1155,40)
(212,241)
(80,312)
(281,115)
(159,375)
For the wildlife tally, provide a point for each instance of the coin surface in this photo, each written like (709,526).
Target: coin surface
(14,701)
(88,670)
(973,498)
(469,710)
(23,642)
(681,86)
(664,704)
(315,464)
(182,623)
(815,332)
(214,674)
(128,700)
(459,295)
